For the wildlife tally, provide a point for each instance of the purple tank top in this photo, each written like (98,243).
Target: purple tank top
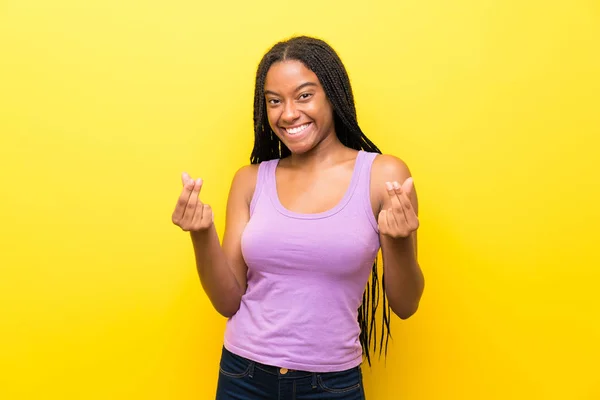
(306,277)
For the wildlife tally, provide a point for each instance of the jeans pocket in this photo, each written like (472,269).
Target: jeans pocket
(340,382)
(234,366)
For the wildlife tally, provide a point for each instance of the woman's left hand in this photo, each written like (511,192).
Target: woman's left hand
(399,221)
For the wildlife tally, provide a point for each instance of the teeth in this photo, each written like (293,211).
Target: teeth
(299,129)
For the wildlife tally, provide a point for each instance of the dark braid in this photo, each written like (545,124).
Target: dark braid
(320,58)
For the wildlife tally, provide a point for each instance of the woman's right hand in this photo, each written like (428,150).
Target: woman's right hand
(190,213)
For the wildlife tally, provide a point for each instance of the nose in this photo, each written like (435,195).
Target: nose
(290,113)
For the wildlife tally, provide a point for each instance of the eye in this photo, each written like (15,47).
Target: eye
(273,101)
(305,96)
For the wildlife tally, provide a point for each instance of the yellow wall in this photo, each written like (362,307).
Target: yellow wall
(493,104)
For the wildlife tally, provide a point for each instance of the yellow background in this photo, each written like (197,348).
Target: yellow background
(493,104)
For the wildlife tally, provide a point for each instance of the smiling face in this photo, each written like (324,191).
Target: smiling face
(298,109)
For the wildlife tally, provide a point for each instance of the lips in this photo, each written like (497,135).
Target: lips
(297,129)
(298,133)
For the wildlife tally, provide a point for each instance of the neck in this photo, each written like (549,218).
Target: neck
(329,151)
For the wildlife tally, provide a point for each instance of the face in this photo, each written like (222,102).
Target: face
(298,109)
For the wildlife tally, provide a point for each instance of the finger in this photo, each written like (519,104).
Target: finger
(196,219)
(409,211)
(392,222)
(408,186)
(382,222)
(186,179)
(207,217)
(392,193)
(191,204)
(399,211)
(196,222)
(412,220)
(184,197)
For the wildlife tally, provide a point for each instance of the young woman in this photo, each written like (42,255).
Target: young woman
(305,221)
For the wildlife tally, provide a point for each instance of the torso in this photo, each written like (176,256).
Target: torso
(315,192)
(309,247)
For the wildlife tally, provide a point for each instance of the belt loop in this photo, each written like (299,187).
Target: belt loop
(251,371)
(314,380)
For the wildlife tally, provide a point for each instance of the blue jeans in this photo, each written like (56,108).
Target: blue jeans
(242,379)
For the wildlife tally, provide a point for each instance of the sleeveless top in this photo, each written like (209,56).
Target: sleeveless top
(306,277)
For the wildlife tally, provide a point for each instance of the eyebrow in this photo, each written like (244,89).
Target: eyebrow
(302,86)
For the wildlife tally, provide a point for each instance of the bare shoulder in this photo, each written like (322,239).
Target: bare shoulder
(246,172)
(389,168)
(244,182)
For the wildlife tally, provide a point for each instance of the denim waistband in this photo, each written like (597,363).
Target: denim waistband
(274,370)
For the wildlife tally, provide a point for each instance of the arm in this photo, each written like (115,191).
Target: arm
(398,223)
(221,269)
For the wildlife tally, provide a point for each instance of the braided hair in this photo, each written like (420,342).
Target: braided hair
(320,58)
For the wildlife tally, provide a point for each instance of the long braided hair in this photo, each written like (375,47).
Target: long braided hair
(320,58)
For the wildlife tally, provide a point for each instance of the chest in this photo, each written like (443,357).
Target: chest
(311,193)
(339,246)
(317,193)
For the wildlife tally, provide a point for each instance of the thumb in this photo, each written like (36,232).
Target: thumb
(381,218)
(408,185)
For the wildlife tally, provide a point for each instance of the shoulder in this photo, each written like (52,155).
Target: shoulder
(389,168)
(244,182)
(246,172)
(386,168)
